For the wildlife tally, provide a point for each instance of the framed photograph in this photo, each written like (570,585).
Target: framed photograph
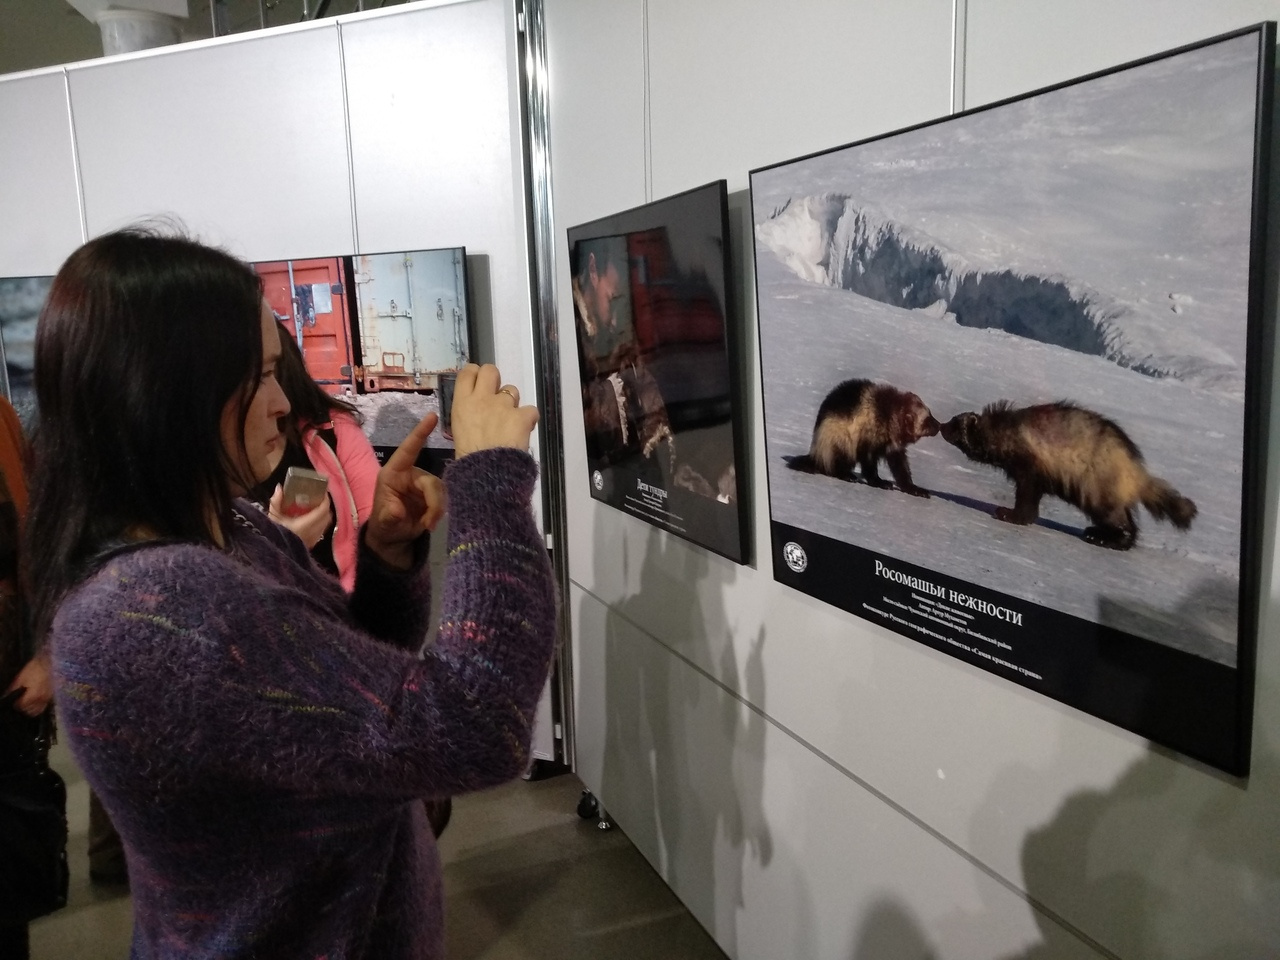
(657,334)
(386,331)
(1013,386)
(414,329)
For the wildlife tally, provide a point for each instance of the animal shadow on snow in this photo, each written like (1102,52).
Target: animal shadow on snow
(982,506)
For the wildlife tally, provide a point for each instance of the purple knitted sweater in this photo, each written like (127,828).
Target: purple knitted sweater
(261,740)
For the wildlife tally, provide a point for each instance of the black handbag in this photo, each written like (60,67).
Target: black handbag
(33,818)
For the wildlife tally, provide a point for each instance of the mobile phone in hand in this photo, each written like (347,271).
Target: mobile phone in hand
(303,491)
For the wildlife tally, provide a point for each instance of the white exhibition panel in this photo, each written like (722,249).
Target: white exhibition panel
(1014,46)
(38,192)
(598,168)
(759,82)
(244,140)
(1142,852)
(434,112)
(777,852)
(595,53)
(436,150)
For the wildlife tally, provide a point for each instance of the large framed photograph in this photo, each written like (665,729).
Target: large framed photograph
(657,334)
(1013,386)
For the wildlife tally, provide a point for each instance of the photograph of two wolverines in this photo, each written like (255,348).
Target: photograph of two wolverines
(1010,362)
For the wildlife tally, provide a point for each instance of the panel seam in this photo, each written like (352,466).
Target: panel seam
(346,128)
(959,52)
(648,102)
(75,157)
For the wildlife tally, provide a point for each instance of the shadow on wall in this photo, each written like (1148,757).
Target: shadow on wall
(1174,860)
(891,931)
(683,766)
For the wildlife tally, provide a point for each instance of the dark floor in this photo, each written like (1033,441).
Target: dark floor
(525,879)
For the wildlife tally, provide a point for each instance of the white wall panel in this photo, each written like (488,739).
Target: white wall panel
(596,60)
(758,81)
(1137,851)
(433,105)
(1015,46)
(244,140)
(595,56)
(435,149)
(777,852)
(38,191)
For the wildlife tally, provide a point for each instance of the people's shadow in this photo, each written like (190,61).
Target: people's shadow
(683,769)
(1170,859)
(1119,867)
(890,932)
(1172,851)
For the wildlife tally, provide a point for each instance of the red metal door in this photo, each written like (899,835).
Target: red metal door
(310,296)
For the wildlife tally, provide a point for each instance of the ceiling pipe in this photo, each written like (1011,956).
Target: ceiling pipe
(129,25)
(124,31)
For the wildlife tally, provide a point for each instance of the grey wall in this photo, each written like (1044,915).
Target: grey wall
(37,33)
(812,785)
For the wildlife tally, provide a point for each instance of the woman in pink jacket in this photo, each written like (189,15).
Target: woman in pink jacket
(323,435)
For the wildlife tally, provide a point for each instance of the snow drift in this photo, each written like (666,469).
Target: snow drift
(833,240)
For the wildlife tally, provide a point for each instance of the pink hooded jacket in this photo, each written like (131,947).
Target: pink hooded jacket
(353,474)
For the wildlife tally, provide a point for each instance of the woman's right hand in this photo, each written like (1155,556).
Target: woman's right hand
(309,527)
(36,681)
(486,414)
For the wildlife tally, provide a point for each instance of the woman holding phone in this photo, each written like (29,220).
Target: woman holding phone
(321,433)
(261,738)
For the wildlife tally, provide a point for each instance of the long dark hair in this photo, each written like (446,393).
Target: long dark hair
(144,339)
(309,405)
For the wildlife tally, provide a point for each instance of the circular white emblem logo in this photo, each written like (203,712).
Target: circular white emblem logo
(597,480)
(795,556)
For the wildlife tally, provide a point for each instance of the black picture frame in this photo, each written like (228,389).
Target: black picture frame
(658,352)
(1098,241)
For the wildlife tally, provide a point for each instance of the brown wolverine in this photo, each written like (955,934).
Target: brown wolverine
(1066,451)
(861,422)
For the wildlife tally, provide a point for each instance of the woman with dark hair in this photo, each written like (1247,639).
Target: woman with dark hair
(260,738)
(322,434)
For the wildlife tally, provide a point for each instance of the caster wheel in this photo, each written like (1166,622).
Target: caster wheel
(604,825)
(588,806)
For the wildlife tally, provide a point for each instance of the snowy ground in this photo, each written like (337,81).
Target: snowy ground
(1135,187)
(1173,587)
